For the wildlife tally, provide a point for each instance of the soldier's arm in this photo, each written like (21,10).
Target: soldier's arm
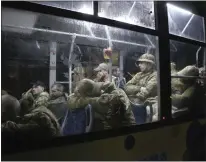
(183,100)
(41,124)
(151,87)
(131,88)
(22,129)
(108,87)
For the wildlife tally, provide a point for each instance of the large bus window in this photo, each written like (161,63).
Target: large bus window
(184,23)
(132,12)
(188,79)
(74,76)
(85,7)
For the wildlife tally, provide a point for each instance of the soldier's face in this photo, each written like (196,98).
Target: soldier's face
(56,92)
(143,66)
(37,90)
(101,74)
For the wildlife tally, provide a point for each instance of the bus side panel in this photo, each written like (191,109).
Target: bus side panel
(167,143)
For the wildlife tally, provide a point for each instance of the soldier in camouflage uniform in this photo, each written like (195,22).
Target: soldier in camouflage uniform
(110,105)
(183,92)
(35,123)
(39,94)
(10,108)
(103,74)
(144,84)
(57,102)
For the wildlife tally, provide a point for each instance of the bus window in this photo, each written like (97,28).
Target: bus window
(132,12)
(184,23)
(83,76)
(188,79)
(79,6)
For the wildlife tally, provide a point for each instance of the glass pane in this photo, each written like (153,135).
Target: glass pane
(132,12)
(79,6)
(188,79)
(184,23)
(66,51)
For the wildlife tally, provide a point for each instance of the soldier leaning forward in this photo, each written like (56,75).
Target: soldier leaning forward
(110,105)
(35,123)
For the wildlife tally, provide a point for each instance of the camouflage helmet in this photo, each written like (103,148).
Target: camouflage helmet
(190,70)
(147,58)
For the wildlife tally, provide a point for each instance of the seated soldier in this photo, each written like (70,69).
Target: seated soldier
(10,108)
(183,91)
(110,105)
(144,84)
(57,102)
(35,123)
(39,94)
(103,74)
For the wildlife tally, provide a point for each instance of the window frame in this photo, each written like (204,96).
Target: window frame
(161,31)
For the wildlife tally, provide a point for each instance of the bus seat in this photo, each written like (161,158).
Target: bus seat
(139,112)
(122,83)
(89,117)
(77,121)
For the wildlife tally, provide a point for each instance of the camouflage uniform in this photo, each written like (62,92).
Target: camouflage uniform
(38,124)
(142,85)
(59,107)
(111,106)
(183,90)
(39,100)
(183,94)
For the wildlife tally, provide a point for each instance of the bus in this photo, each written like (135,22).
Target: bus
(63,42)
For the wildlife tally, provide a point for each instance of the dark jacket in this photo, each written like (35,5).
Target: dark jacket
(59,108)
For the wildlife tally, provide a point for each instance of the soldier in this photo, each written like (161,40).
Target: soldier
(36,123)
(111,106)
(10,108)
(103,73)
(184,90)
(57,102)
(38,93)
(144,84)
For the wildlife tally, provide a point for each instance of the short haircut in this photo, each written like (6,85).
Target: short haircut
(59,86)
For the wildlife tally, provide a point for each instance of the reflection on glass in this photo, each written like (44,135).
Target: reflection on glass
(132,12)
(187,84)
(184,23)
(79,6)
(78,75)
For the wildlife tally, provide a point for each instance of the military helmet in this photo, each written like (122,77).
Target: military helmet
(147,58)
(190,70)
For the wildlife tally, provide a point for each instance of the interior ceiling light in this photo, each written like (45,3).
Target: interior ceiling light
(173,7)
